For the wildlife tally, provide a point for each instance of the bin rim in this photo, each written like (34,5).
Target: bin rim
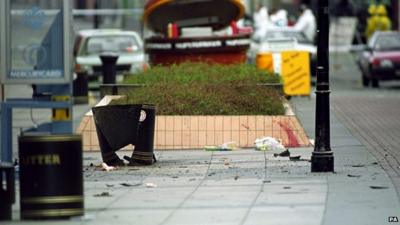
(50,138)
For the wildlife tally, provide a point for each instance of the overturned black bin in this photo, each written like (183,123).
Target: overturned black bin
(51,180)
(7,190)
(121,125)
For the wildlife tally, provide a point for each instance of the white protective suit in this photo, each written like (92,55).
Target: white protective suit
(307,24)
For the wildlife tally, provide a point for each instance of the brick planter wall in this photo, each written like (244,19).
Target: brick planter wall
(194,132)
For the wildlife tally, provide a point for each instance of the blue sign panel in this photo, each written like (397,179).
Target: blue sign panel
(38,36)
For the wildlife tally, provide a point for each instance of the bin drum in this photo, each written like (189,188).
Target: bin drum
(51,180)
(7,190)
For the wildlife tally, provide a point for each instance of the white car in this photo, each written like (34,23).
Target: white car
(90,44)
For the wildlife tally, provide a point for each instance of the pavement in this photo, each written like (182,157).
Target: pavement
(240,187)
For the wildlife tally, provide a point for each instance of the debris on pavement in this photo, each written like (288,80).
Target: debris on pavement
(295,158)
(285,153)
(211,174)
(268,144)
(109,185)
(103,194)
(378,187)
(106,167)
(352,175)
(236,177)
(227,162)
(312,142)
(130,185)
(358,165)
(151,185)
(228,146)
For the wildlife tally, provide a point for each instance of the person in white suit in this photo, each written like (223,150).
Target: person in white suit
(261,21)
(307,23)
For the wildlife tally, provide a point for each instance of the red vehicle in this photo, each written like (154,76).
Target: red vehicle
(381,59)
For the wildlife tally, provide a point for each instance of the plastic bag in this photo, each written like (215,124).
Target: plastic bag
(268,144)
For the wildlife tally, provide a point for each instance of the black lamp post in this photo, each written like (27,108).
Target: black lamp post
(322,159)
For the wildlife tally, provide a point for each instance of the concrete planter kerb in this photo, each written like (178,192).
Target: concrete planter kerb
(195,132)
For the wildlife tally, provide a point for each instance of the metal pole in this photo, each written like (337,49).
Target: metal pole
(96,16)
(322,159)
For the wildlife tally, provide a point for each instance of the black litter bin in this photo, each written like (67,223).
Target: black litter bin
(51,179)
(7,190)
(121,125)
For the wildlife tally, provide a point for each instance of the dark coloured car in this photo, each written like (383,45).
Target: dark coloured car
(381,59)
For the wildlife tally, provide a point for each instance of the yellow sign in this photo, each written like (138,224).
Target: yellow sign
(296,73)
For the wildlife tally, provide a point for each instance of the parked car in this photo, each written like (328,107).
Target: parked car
(381,58)
(285,39)
(89,44)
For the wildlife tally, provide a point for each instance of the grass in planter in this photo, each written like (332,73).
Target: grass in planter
(204,89)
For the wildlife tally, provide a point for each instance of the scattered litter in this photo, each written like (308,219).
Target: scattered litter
(287,188)
(312,142)
(228,146)
(109,185)
(268,144)
(294,158)
(378,187)
(133,169)
(106,167)
(226,162)
(91,165)
(236,177)
(183,167)
(86,217)
(352,175)
(358,165)
(376,163)
(103,194)
(175,177)
(151,185)
(211,174)
(285,153)
(267,181)
(130,185)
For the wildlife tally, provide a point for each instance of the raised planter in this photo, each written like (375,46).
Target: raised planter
(194,132)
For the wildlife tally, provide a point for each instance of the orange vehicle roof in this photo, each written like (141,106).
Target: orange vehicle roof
(189,13)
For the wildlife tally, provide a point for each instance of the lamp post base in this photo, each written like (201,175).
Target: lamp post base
(322,162)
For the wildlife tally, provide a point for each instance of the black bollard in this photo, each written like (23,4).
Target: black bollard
(7,190)
(81,88)
(51,178)
(109,66)
(144,147)
(322,159)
